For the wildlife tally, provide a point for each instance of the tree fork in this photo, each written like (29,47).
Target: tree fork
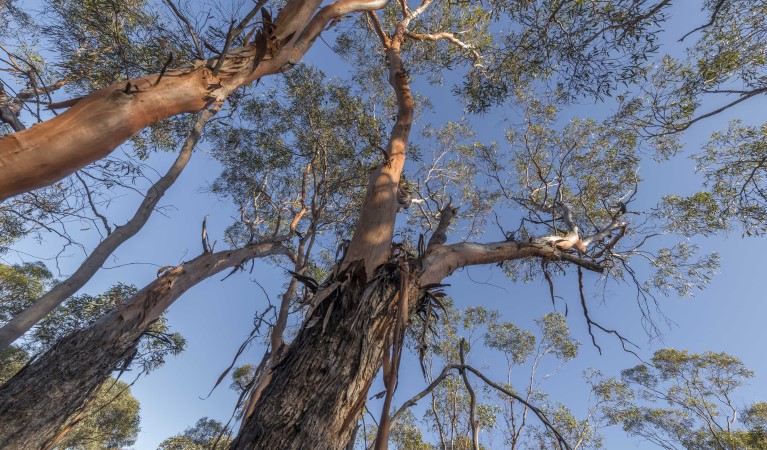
(318,389)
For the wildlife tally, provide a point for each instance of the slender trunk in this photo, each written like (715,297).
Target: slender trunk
(371,241)
(37,402)
(25,320)
(318,390)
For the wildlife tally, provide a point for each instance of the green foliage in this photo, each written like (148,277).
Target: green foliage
(206,434)
(677,272)
(684,399)
(405,434)
(12,359)
(101,42)
(606,44)
(112,421)
(321,142)
(525,351)
(733,164)
(20,286)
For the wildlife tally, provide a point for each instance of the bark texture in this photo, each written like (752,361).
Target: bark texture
(38,400)
(318,389)
(372,238)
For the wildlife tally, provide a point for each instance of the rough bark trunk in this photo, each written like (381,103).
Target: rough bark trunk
(319,388)
(38,400)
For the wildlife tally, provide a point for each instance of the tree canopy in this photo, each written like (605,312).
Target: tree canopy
(353,159)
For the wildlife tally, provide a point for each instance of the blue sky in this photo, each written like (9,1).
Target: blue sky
(217,316)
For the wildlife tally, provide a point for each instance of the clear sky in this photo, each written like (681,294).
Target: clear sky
(216,316)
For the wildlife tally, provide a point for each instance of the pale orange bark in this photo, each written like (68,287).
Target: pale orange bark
(374,230)
(93,127)
(101,121)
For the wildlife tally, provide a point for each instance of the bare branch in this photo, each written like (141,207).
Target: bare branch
(590,322)
(475,56)
(445,372)
(441,261)
(711,21)
(473,399)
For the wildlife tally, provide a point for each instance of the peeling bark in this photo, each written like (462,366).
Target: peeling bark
(38,400)
(317,391)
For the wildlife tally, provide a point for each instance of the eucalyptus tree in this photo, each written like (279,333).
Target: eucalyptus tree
(498,415)
(111,417)
(204,435)
(722,70)
(94,49)
(287,198)
(685,400)
(571,187)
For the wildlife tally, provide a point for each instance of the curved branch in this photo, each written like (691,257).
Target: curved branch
(25,320)
(444,260)
(445,372)
(101,121)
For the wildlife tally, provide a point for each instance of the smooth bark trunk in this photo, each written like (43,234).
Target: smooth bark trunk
(37,402)
(25,320)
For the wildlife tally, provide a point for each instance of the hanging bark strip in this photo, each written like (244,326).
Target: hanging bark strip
(318,389)
(37,402)
(393,355)
(101,121)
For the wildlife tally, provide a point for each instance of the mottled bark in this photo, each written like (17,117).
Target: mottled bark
(22,322)
(38,400)
(372,238)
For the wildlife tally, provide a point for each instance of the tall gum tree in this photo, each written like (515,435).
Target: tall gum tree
(314,394)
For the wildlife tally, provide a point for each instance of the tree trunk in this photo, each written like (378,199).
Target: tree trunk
(39,400)
(318,389)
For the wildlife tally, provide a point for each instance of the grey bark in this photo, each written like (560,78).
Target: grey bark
(38,400)
(319,388)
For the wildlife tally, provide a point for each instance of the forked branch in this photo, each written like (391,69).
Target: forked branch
(461,367)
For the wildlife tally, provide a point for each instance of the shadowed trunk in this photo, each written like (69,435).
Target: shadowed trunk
(317,391)
(319,388)
(39,400)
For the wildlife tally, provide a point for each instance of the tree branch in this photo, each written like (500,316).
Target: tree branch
(445,372)
(444,260)
(22,322)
